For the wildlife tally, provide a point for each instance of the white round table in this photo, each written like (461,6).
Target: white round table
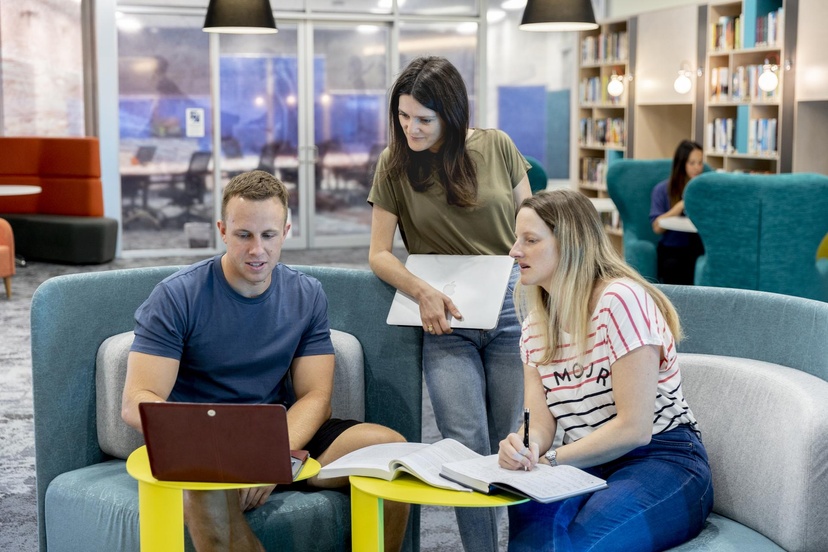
(678,224)
(603,204)
(16,190)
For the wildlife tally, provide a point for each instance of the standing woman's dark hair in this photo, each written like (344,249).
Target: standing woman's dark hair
(436,84)
(678,177)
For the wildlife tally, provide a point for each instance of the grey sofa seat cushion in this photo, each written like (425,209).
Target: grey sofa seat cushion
(103,500)
(118,439)
(765,428)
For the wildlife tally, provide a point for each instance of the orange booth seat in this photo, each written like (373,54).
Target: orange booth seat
(64,223)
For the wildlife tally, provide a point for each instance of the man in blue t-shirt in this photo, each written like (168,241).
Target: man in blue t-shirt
(230,329)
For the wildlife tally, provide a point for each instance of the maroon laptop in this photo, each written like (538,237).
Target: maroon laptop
(218,443)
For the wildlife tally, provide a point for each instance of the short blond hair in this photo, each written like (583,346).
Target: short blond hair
(255,186)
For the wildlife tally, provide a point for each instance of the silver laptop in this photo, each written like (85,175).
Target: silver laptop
(475,283)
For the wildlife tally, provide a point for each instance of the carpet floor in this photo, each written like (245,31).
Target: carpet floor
(18,508)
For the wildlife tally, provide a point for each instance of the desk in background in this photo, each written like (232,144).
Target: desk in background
(678,224)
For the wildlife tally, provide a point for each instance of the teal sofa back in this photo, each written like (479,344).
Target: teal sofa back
(630,184)
(761,232)
(86,500)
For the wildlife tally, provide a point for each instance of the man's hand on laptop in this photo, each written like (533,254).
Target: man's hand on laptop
(253,497)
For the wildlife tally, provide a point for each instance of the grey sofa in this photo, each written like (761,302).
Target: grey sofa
(87,501)
(754,367)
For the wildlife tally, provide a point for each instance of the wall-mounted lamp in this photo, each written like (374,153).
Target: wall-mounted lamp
(768,81)
(615,86)
(240,17)
(683,84)
(558,15)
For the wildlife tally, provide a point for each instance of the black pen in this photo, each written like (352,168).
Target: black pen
(526,427)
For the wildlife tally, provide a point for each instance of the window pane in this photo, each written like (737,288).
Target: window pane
(41,55)
(259,109)
(350,82)
(438,7)
(457,42)
(166,181)
(350,6)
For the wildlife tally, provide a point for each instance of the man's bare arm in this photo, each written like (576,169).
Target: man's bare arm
(313,384)
(149,378)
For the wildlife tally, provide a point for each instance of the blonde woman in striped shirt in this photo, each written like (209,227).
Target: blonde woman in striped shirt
(598,345)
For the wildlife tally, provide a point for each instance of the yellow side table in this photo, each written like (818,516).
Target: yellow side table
(368,493)
(161,503)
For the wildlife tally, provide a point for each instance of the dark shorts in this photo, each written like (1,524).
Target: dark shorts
(327,434)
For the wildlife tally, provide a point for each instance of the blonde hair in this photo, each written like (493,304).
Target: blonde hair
(586,257)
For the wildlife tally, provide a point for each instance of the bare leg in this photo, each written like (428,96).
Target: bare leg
(357,437)
(216,522)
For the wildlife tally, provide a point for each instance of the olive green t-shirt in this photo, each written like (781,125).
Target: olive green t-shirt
(428,224)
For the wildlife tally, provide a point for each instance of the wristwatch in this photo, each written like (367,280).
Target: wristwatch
(551,456)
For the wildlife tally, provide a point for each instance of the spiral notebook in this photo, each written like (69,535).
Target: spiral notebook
(219,443)
(476,284)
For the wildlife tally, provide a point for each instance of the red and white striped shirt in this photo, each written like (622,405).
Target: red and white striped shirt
(579,390)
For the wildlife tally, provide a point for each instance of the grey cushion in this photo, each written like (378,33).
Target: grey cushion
(118,439)
(765,428)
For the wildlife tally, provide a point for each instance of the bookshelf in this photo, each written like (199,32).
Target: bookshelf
(603,124)
(742,123)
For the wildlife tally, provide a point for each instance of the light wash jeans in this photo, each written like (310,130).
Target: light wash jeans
(659,496)
(475,381)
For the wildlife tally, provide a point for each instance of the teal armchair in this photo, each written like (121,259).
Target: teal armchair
(630,183)
(87,501)
(537,175)
(761,232)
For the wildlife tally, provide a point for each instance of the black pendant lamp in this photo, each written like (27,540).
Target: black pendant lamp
(240,17)
(558,15)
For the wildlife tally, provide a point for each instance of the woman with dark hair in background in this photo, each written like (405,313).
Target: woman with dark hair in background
(677,251)
(453,190)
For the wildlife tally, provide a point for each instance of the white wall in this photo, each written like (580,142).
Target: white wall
(625,8)
(524,58)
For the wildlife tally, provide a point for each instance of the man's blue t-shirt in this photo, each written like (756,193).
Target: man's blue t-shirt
(233,348)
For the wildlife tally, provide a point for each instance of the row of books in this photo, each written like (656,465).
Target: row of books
(604,131)
(726,33)
(761,136)
(593,170)
(742,86)
(720,135)
(769,28)
(605,47)
(594,90)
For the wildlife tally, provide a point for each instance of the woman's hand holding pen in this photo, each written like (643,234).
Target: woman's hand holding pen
(513,455)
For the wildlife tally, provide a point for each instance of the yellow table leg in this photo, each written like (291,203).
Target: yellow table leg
(367,522)
(161,517)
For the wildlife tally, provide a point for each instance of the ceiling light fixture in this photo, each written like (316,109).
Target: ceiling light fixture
(558,15)
(768,81)
(615,86)
(683,84)
(240,17)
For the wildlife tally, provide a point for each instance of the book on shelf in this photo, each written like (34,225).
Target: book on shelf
(448,464)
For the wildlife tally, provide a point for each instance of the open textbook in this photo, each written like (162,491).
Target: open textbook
(448,464)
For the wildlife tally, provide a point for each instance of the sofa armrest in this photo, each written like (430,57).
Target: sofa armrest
(765,428)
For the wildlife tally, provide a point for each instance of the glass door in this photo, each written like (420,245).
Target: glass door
(349,77)
(260,101)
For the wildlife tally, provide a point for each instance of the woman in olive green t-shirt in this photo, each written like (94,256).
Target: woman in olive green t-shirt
(453,190)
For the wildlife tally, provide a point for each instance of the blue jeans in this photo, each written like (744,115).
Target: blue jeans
(659,496)
(475,381)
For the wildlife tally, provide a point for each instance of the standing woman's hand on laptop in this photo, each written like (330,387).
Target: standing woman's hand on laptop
(435,309)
